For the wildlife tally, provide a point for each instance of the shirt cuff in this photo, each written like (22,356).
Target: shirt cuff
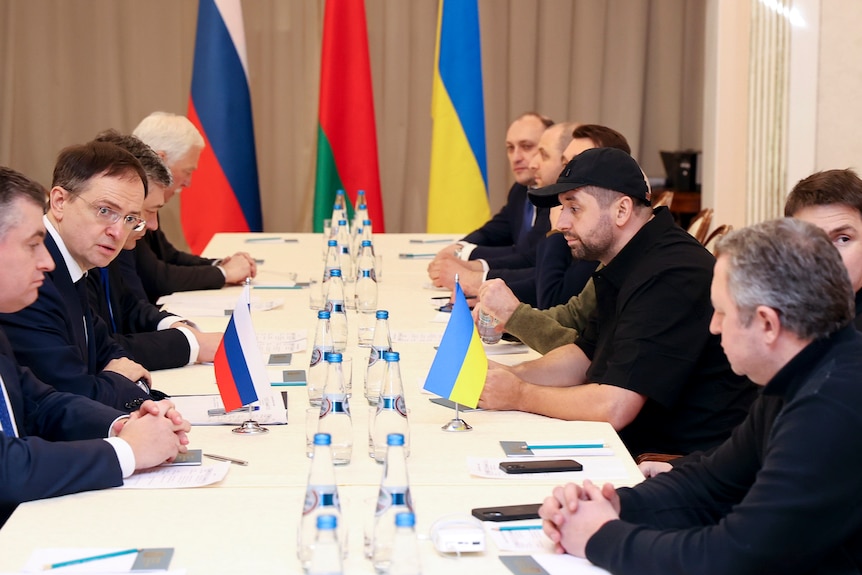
(221,269)
(194,346)
(485,268)
(466,249)
(125,455)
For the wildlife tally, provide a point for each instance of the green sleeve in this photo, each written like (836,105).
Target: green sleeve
(544,330)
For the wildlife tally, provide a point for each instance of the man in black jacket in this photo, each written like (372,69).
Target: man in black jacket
(781,495)
(156,339)
(93,205)
(163,268)
(507,242)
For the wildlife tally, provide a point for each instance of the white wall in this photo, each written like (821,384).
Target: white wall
(839,101)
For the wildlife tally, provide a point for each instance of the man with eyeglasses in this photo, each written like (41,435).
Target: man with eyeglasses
(94,204)
(156,338)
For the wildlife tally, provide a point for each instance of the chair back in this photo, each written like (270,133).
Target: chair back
(665,198)
(716,235)
(699,225)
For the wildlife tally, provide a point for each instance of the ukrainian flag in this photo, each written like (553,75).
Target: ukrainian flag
(460,366)
(458,186)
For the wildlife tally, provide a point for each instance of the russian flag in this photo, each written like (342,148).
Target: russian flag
(460,365)
(458,186)
(224,195)
(239,368)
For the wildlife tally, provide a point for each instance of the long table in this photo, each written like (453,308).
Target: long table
(247,523)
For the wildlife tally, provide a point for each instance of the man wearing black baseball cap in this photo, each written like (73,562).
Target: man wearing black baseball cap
(646,361)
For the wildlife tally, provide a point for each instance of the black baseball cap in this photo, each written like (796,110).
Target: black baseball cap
(607,168)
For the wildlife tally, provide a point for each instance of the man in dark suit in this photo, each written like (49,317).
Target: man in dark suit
(156,339)
(94,204)
(163,268)
(505,246)
(54,443)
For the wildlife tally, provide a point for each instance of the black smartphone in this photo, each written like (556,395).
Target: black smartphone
(507,512)
(546,466)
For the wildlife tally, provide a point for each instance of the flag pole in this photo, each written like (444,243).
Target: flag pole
(456,423)
(250,426)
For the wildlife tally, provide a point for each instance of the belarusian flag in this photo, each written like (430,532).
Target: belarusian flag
(346,135)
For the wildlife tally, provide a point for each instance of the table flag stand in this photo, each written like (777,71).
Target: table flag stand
(456,423)
(250,426)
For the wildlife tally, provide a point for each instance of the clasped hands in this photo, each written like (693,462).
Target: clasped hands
(156,432)
(238,267)
(446,264)
(573,514)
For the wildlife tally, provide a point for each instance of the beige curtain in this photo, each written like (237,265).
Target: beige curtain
(69,68)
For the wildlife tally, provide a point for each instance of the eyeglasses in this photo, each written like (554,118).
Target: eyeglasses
(109,217)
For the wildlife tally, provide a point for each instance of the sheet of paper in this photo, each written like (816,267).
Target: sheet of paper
(431,337)
(120,564)
(523,541)
(271,342)
(441,317)
(177,477)
(189,304)
(595,468)
(195,408)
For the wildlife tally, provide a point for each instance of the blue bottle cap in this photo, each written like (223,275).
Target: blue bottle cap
(342,222)
(332,357)
(363,206)
(391,439)
(405,519)
(339,192)
(335,272)
(323,439)
(366,222)
(329,522)
(366,243)
(331,243)
(391,356)
(382,314)
(323,314)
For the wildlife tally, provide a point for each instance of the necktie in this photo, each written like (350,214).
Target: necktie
(5,417)
(106,284)
(527,223)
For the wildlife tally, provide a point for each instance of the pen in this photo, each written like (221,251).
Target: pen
(415,256)
(569,446)
(223,458)
(88,559)
(278,287)
(221,411)
(450,297)
(518,528)
(272,239)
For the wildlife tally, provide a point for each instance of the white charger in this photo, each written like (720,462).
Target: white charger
(458,534)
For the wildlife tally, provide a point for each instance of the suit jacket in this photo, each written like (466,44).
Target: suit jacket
(499,242)
(58,450)
(163,269)
(48,337)
(136,319)
(559,276)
